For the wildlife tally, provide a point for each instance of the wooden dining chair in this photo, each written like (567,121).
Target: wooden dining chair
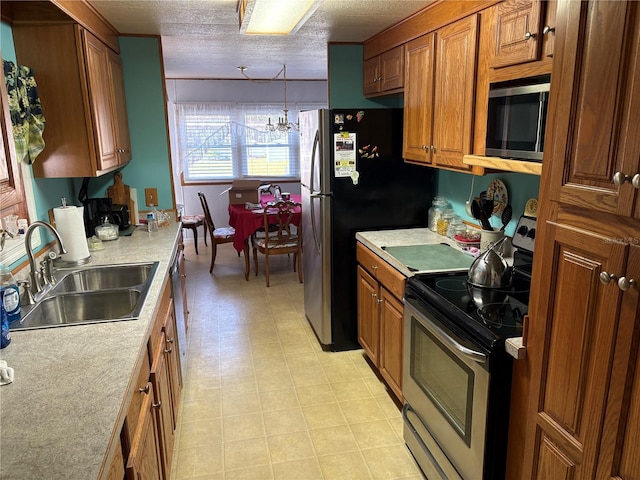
(218,235)
(281,240)
(192,222)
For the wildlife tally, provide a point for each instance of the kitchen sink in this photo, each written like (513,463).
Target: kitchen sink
(97,294)
(105,277)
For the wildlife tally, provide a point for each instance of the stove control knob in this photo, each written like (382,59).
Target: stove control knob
(523,230)
(531,234)
(605,278)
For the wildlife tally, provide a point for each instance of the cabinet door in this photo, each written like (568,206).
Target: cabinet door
(571,344)
(100,88)
(172,352)
(368,325)
(392,69)
(391,335)
(160,378)
(549,29)
(116,80)
(144,459)
(517,31)
(620,449)
(595,106)
(371,74)
(418,99)
(454,92)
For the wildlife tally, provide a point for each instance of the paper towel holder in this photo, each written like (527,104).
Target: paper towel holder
(59,262)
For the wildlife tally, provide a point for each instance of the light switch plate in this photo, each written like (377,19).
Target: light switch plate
(151,197)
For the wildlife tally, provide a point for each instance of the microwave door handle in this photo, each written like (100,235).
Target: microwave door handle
(473,355)
(539,126)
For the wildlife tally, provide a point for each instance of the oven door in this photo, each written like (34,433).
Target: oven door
(446,385)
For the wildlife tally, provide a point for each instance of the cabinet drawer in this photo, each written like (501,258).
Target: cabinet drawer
(139,394)
(391,278)
(155,340)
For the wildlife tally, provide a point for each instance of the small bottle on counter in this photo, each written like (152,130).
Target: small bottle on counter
(152,223)
(9,304)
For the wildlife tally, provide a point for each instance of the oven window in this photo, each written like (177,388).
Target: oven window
(444,378)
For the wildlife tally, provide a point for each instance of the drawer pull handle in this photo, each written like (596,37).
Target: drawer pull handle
(625,283)
(606,278)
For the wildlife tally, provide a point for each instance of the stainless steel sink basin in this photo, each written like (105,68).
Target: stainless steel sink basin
(92,295)
(105,277)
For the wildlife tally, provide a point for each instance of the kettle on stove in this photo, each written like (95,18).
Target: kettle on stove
(490,269)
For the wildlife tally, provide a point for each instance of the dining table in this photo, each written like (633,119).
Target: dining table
(247,221)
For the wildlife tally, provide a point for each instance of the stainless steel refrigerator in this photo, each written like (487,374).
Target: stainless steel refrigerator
(353,178)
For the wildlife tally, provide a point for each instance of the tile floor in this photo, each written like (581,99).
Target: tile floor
(261,400)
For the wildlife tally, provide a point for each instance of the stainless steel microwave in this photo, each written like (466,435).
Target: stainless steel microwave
(517,118)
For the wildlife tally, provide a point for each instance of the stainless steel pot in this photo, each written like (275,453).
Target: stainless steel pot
(490,269)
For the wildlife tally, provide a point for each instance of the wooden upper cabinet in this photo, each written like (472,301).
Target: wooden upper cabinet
(549,29)
(418,99)
(439,95)
(82,93)
(11,188)
(454,98)
(594,146)
(517,32)
(384,73)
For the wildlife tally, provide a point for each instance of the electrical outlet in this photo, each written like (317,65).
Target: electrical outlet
(151,197)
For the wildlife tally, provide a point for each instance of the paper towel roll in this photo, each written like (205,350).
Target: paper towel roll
(70,226)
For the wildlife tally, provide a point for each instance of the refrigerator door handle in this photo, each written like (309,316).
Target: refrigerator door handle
(314,194)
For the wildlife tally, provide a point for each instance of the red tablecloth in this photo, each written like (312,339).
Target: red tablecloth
(248,221)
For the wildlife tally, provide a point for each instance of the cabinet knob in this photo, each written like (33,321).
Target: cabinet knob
(620,179)
(170,340)
(606,278)
(379,300)
(373,295)
(547,30)
(144,390)
(157,405)
(433,149)
(168,350)
(374,268)
(529,35)
(625,283)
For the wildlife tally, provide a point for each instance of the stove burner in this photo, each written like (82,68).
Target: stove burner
(452,284)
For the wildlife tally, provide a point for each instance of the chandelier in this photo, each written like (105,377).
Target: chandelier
(283,126)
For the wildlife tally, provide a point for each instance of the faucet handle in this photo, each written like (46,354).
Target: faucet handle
(27,296)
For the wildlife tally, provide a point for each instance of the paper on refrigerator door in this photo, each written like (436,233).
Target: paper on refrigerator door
(344,154)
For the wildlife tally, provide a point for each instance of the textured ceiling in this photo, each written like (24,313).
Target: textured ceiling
(201,39)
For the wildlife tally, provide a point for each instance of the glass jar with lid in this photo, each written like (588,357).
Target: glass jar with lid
(456,227)
(442,224)
(439,204)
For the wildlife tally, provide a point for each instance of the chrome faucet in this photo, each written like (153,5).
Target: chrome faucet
(44,277)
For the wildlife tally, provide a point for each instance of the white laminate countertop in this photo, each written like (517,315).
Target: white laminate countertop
(375,240)
(66,403)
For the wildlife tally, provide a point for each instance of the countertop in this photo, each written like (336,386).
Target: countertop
(376,240)
(66,403)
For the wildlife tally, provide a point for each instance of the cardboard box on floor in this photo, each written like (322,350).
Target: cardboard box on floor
(243,191)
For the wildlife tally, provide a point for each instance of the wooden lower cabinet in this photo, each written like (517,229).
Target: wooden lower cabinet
(144,458)
(380,316)
(149,430)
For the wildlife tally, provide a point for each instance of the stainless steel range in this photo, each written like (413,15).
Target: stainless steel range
(457,375)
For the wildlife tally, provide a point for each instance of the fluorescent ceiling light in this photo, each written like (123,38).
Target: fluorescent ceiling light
(274,17)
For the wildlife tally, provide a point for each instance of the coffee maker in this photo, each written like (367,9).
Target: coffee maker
(95,212)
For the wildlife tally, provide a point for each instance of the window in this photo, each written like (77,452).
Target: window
(230,141)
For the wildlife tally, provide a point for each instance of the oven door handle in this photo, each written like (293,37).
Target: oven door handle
(474,355)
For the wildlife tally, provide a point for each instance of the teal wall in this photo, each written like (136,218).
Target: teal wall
(520,187)
(146,109)
(345,80)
